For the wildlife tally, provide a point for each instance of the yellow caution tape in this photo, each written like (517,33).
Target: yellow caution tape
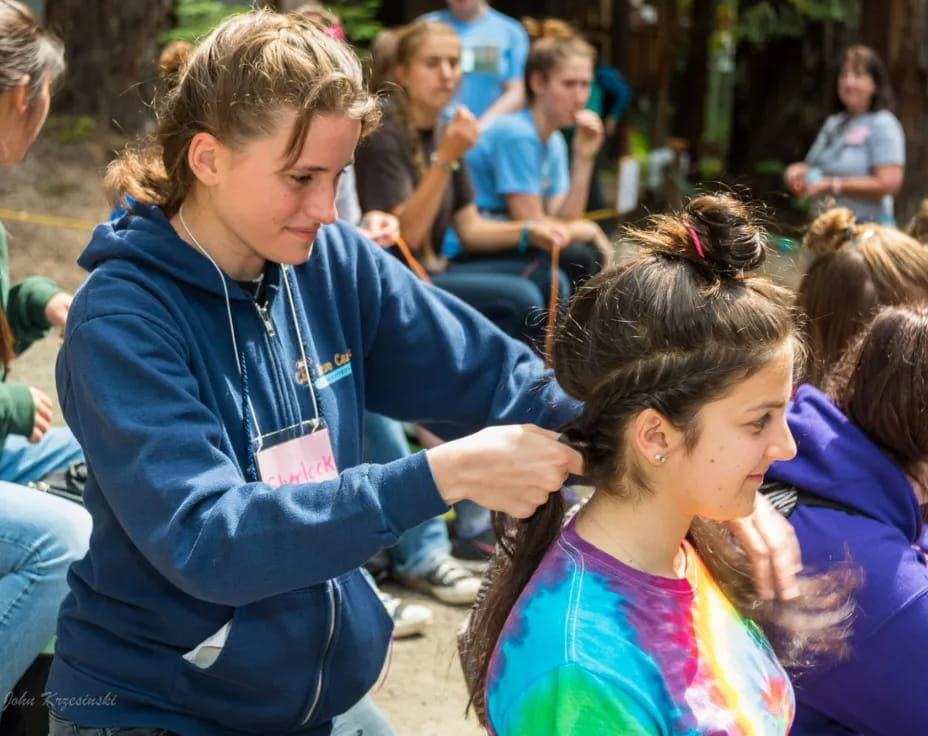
(34,219)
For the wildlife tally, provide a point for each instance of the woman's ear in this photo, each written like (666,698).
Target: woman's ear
(17,97)
(653,438)
(204,156)
(399,74)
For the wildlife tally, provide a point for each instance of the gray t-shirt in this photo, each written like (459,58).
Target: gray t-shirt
(847,146)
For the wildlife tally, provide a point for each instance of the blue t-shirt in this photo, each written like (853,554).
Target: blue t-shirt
(510,158)
(493,51)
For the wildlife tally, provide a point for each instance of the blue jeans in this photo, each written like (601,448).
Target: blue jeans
(363,719)
(40,536)
(421,548)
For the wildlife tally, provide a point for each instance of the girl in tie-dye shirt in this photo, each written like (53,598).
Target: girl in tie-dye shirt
(638,616)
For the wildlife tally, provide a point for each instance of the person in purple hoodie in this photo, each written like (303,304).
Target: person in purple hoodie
(861,471)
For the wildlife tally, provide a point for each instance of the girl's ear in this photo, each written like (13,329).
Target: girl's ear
(17,96)
(204,156)
(653,438)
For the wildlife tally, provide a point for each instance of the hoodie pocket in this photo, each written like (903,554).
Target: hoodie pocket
(357,651)
(261,671)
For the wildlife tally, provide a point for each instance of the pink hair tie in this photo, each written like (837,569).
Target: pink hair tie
(696,242)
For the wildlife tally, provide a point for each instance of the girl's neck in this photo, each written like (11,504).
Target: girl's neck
(200,229)
(542,124)
(646,534)
(424,117)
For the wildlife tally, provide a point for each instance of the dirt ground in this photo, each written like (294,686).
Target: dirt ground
(423,693)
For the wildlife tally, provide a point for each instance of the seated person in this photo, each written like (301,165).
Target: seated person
(412,167)
(634,618)
(520,163)
(863,454)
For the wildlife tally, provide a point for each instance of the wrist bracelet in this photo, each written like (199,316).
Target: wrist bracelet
(449,166)
(523,236)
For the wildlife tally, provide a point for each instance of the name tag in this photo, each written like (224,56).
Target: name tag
(305,459)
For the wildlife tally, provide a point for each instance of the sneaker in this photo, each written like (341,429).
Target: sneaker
(409,619)
(474,553)
(448,581)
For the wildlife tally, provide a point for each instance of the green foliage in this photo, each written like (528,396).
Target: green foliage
(766,20)
(196,18)
(74,129)
(359,18)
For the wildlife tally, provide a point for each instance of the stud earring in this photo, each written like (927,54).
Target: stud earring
(660,458)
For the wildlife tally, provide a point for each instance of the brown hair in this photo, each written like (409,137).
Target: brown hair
(26,48)
(881,385)
(538,28)
(236,83)
(864,59)
(547,53)
(408,41)
(857,269)
(173,59)
(918,227)
(671,331)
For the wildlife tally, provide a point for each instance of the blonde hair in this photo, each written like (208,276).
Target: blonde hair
(918,227)
(237,82)
(858,269)
(27,48)
(538,28)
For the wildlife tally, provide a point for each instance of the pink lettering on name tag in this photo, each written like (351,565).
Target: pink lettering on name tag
(857,135)
(306,459)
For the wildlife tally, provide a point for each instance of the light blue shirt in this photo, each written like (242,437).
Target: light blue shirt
(511,158)
(493,51)
(852,147)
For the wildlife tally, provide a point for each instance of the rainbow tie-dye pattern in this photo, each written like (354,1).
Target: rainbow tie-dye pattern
(595,647)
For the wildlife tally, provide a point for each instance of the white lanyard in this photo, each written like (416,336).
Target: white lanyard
(238,362)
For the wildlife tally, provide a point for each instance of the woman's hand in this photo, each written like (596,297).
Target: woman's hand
(512,468)
(381,227)
(587,231)
(56,309)
(795,178)
(771,544)
(458,137)
(43,414)
(548,234)
(588,135)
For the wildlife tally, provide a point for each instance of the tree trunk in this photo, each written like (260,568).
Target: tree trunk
(112,51)
(689,119)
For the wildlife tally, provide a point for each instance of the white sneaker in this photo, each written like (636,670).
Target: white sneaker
(409,619)
(448,581)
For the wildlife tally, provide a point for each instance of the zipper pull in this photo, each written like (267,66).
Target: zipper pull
(266,318)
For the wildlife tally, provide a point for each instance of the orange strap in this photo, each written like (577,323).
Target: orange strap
(552,304)
(411,260)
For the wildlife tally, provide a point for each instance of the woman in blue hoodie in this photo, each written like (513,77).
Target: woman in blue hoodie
(862,449)
(216,365)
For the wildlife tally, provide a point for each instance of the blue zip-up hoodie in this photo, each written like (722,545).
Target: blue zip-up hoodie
(185,537)
(880,690)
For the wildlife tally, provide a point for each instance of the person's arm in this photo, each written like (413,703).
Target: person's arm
(26,311)
(587,140)
(884,180)
(572,701)
(17,409)
(417,213)
(127,393)
(478,234)
(512,99)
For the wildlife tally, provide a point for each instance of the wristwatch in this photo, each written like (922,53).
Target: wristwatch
(449,166)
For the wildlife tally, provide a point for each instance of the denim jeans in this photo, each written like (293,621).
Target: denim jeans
(421,548)
(363,719)
(40,536)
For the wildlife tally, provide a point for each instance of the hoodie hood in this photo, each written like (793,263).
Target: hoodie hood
(837,461)
(144,236)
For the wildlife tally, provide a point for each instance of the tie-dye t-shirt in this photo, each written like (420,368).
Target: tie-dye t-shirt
(596,647)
